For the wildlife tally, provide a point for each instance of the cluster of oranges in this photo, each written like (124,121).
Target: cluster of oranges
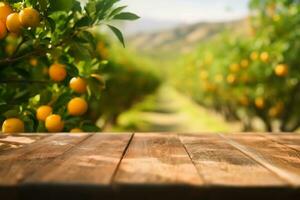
(53,122)
(76,106)
(14,22)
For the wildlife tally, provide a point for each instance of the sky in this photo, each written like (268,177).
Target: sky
(189,11)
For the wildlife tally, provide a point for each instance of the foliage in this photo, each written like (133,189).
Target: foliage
(62,37)
(250,76)
(129,79)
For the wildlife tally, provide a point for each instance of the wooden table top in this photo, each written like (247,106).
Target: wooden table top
(150,166)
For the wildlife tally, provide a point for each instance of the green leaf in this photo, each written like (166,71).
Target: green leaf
(51,24)
(126,16)
(61,5)
(118,33)
(43,5)
(85,21)
(117,11)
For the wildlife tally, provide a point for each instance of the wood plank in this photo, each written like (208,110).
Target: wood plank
(156,166)
(221,164)
(94,161)
(85,172)
(157,159)
(10,142)
(290,140)
(278,158)
(18,164)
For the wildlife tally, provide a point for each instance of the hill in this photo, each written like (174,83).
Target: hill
(181,39)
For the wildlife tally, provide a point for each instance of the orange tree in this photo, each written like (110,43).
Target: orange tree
(128,80)
(48,64)
(254,75)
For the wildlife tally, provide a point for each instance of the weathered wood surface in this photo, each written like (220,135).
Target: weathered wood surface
(150,166)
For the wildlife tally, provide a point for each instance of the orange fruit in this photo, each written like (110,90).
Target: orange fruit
(264,56)
(3,31)
(204,75)
(219,78)
(234,67)
(244,63)
(77,106)
(5,10)
(254,55)
(260,103)
(57,72)
(78,85)
(281,70)
(10,49)
(13,125)
(54,123)
(43,112)
(33,62)
(13,23)
(29,17)
(76,130)
(244,101)
(231,78)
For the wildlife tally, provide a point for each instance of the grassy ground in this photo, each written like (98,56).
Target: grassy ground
(168,111)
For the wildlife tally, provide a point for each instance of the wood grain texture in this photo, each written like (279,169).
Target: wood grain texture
(280,159)
(83,173)
(290,140)
(219,163)
(11,142)
(94,161)
(16,165)
(157,159)
(150,166)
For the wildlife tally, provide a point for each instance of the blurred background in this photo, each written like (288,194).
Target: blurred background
(206,66)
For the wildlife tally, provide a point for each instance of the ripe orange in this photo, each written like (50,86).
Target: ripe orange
(281,70)
(54,123)
(29,17)
(10,49)
(276,110)
(245,63)
(76,130)
(13,23)
(264,57)
(3,31)
(43,112)
(254,55)
(231,78)
(219,78)
(77,106)
(13,125)
(234,67)
(260,103)
(57,72)
(33,62)
(5,10)
(244,101)
(78,85)
(203,75)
